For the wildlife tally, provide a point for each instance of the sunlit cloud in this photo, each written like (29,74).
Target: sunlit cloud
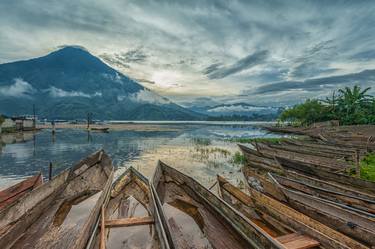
(224,50)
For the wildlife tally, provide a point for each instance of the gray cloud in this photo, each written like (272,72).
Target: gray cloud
(171,43)
(319,84)
(215,71)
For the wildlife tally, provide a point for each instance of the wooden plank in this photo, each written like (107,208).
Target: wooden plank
(301,242)
(126,222)
(288,237)
(102,230)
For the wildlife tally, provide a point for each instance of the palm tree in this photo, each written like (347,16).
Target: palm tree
(353,102)
(332,103)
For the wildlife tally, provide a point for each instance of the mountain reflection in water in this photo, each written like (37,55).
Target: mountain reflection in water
(198,150)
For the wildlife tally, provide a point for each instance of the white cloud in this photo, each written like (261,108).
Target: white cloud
(239,108)
(146,96)
(57,92)
(19,88)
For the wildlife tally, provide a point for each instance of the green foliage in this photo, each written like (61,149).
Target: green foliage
(368,167)
(350,106)
(2,119)
(309,112)
(238,158)
(9,130)
(201,141)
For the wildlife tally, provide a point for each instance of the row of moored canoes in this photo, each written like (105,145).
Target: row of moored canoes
(281,208)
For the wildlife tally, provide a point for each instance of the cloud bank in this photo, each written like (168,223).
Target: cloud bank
(249,50)
(19,88)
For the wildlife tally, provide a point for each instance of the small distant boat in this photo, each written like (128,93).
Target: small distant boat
(197,218)
(13,193)
(292,228)
(100,129)
(130,218)
(62,212)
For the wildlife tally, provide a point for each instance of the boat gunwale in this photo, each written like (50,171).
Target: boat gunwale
(257,230)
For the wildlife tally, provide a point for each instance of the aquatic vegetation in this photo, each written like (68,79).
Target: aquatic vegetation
(201,141)
(238,158)
(368,167)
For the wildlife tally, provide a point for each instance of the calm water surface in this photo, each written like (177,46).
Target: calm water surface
(200,150)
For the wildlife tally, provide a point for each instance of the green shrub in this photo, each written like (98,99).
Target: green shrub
(238,158)
(368,167)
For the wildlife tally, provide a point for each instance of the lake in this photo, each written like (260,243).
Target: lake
(201,150)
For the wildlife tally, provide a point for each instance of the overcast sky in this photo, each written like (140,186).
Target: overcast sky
(260,52)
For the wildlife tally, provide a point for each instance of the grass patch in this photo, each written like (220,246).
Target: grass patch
(256,139)
(368,167)
(201,141)
(238,158)
(8,130)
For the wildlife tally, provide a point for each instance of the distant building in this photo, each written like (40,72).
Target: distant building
(23,123)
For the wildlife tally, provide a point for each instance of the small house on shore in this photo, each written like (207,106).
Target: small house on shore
(14,124)
(23,123)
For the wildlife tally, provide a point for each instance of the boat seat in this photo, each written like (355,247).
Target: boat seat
(297,241)
(126,222)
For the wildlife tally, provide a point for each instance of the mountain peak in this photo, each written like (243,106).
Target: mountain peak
(70,82)
(71,49)
(72,58)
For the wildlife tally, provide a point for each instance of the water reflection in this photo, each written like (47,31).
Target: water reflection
(75,211)
(142,236)
(173,143)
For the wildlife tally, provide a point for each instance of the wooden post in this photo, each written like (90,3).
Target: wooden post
(50,171)
(88,121)
(357,163)
(34,119)
(53,127)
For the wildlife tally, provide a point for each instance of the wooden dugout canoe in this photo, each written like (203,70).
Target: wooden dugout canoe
(313,152)
(62,212)
(197,218)
(131,219)
(281,221)
(360,184)
(316,161)
(325,189)
(315,187)
(100,129)
(13,193)
(355,225)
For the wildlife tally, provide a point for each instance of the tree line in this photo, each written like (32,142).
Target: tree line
(348,105)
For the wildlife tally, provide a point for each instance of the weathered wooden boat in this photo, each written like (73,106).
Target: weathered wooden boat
(100,129)
(61,213)
(13,193)
(352,201)
(197,218)
(130,218)
(352,196)
(360,184)
(315,146)
(358,226)
(336,155)
(317,161)
(292,228)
